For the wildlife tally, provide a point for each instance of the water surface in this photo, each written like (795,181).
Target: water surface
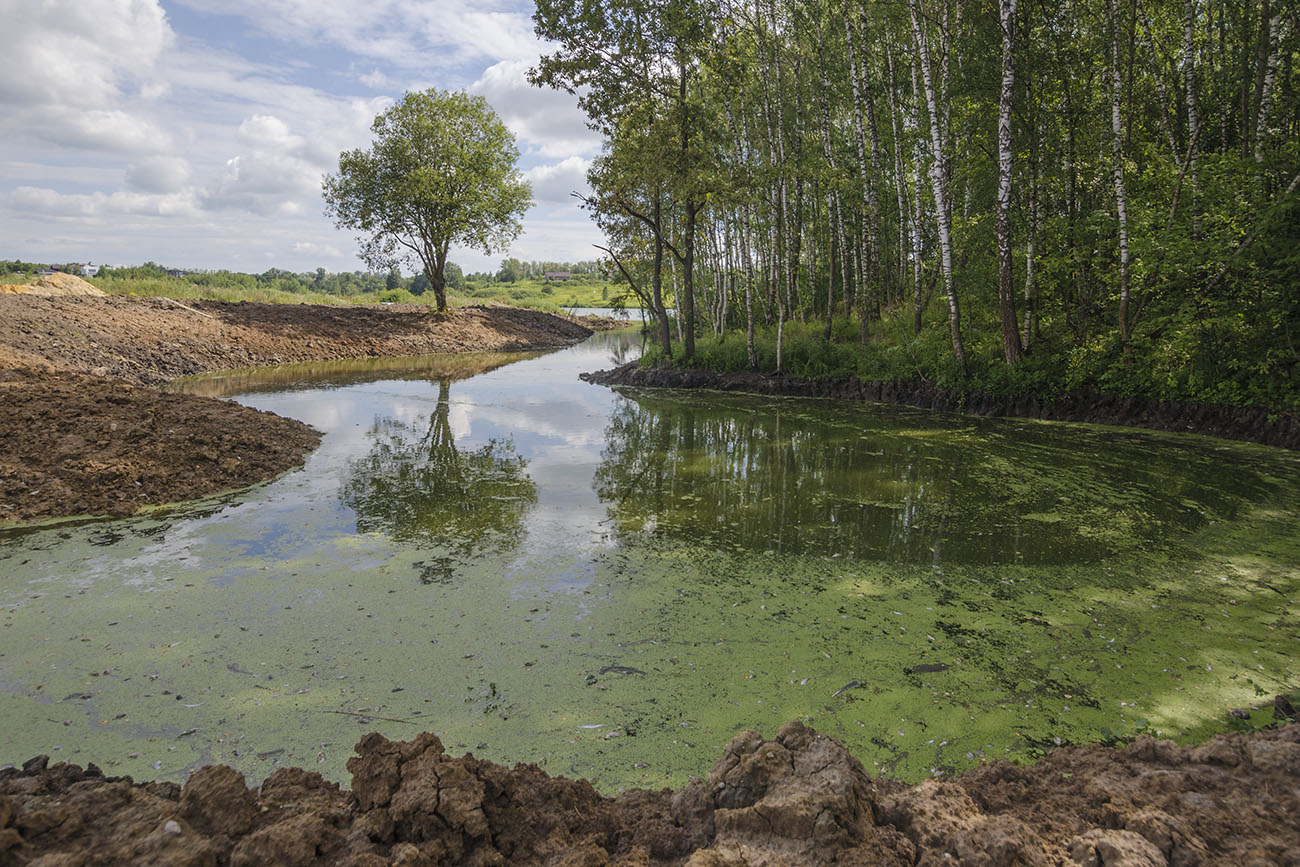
(615,583)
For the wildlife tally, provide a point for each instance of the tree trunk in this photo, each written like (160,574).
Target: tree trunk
(939,181)
(437,277)
(1006,292)
(1273,38)
(1121,202)
(1193,109)
(657,285)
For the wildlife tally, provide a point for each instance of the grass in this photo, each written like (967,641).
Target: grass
(1165,364)
(582,291)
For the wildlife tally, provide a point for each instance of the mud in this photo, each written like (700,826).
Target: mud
(1250,424)
(799,798)
(79,434)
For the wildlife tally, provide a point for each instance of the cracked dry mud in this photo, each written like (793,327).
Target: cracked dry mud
(796,799)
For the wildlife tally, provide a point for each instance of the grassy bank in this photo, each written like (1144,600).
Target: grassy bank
(1181,362)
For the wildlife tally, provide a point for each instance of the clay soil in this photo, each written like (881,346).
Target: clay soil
(797,799)
(81,433)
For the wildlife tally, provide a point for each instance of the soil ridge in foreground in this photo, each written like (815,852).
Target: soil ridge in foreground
(1250,424)
(799,798)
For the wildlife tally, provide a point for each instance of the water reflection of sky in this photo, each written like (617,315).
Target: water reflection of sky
(554,421)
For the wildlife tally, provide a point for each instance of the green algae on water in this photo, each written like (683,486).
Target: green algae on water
(647,574)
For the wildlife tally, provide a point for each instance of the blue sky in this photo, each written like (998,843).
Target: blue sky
(195,132)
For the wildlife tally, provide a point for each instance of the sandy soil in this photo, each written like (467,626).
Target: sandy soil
(797,799)
(79,435)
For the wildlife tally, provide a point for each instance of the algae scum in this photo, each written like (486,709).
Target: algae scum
(614,584)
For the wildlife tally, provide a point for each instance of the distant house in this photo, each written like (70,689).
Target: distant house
(558,276)
(89,270)
(176,272)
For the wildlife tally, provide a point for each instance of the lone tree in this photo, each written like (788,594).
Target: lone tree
(441,171)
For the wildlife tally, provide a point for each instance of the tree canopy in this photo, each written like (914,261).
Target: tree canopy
(441,171)
(1100,194)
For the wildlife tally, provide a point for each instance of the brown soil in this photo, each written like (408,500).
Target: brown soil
(80,436)
(797,799)
(73,444)
(153,340)
(1251,424)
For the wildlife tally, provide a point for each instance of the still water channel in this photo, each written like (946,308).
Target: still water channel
(616,583)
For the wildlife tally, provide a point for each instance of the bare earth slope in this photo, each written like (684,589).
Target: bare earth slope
(80,436)
(153,340)
(798,799)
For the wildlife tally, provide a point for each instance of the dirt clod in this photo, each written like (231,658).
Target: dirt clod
(797,799)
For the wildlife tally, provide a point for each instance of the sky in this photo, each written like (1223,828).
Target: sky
(195,133)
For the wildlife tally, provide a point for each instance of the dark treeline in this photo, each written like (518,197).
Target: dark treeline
(1092,194)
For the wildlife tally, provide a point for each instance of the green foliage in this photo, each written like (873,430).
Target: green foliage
(441,171)
(396,296)
(1203,360)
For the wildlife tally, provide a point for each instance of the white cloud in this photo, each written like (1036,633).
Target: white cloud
(268,131)
(557,182)
(444,35)
(547,121)
(159,174)
(50,203)
(374,78)
(126,140)
(78,53)
(311,248)
(264,183)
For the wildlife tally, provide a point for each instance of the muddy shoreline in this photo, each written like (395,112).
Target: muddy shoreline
(83,433)
(1250,424)
(796,799)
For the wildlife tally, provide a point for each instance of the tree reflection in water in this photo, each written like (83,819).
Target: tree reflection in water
(809,478)
(423,490)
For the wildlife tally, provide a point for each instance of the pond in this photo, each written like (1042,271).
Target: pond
(613,584)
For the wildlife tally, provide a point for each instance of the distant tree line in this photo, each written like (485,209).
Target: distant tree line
(341,283)
(514,270)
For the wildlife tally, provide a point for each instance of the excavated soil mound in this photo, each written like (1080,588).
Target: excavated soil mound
(72,444)
(77,445)
(1252,424)
(53,284)
(798,799)
(153,340)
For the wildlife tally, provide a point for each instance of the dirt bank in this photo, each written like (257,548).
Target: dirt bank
(77,445)
(80,436)
(153,340)
(1241,423)
(797,799)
